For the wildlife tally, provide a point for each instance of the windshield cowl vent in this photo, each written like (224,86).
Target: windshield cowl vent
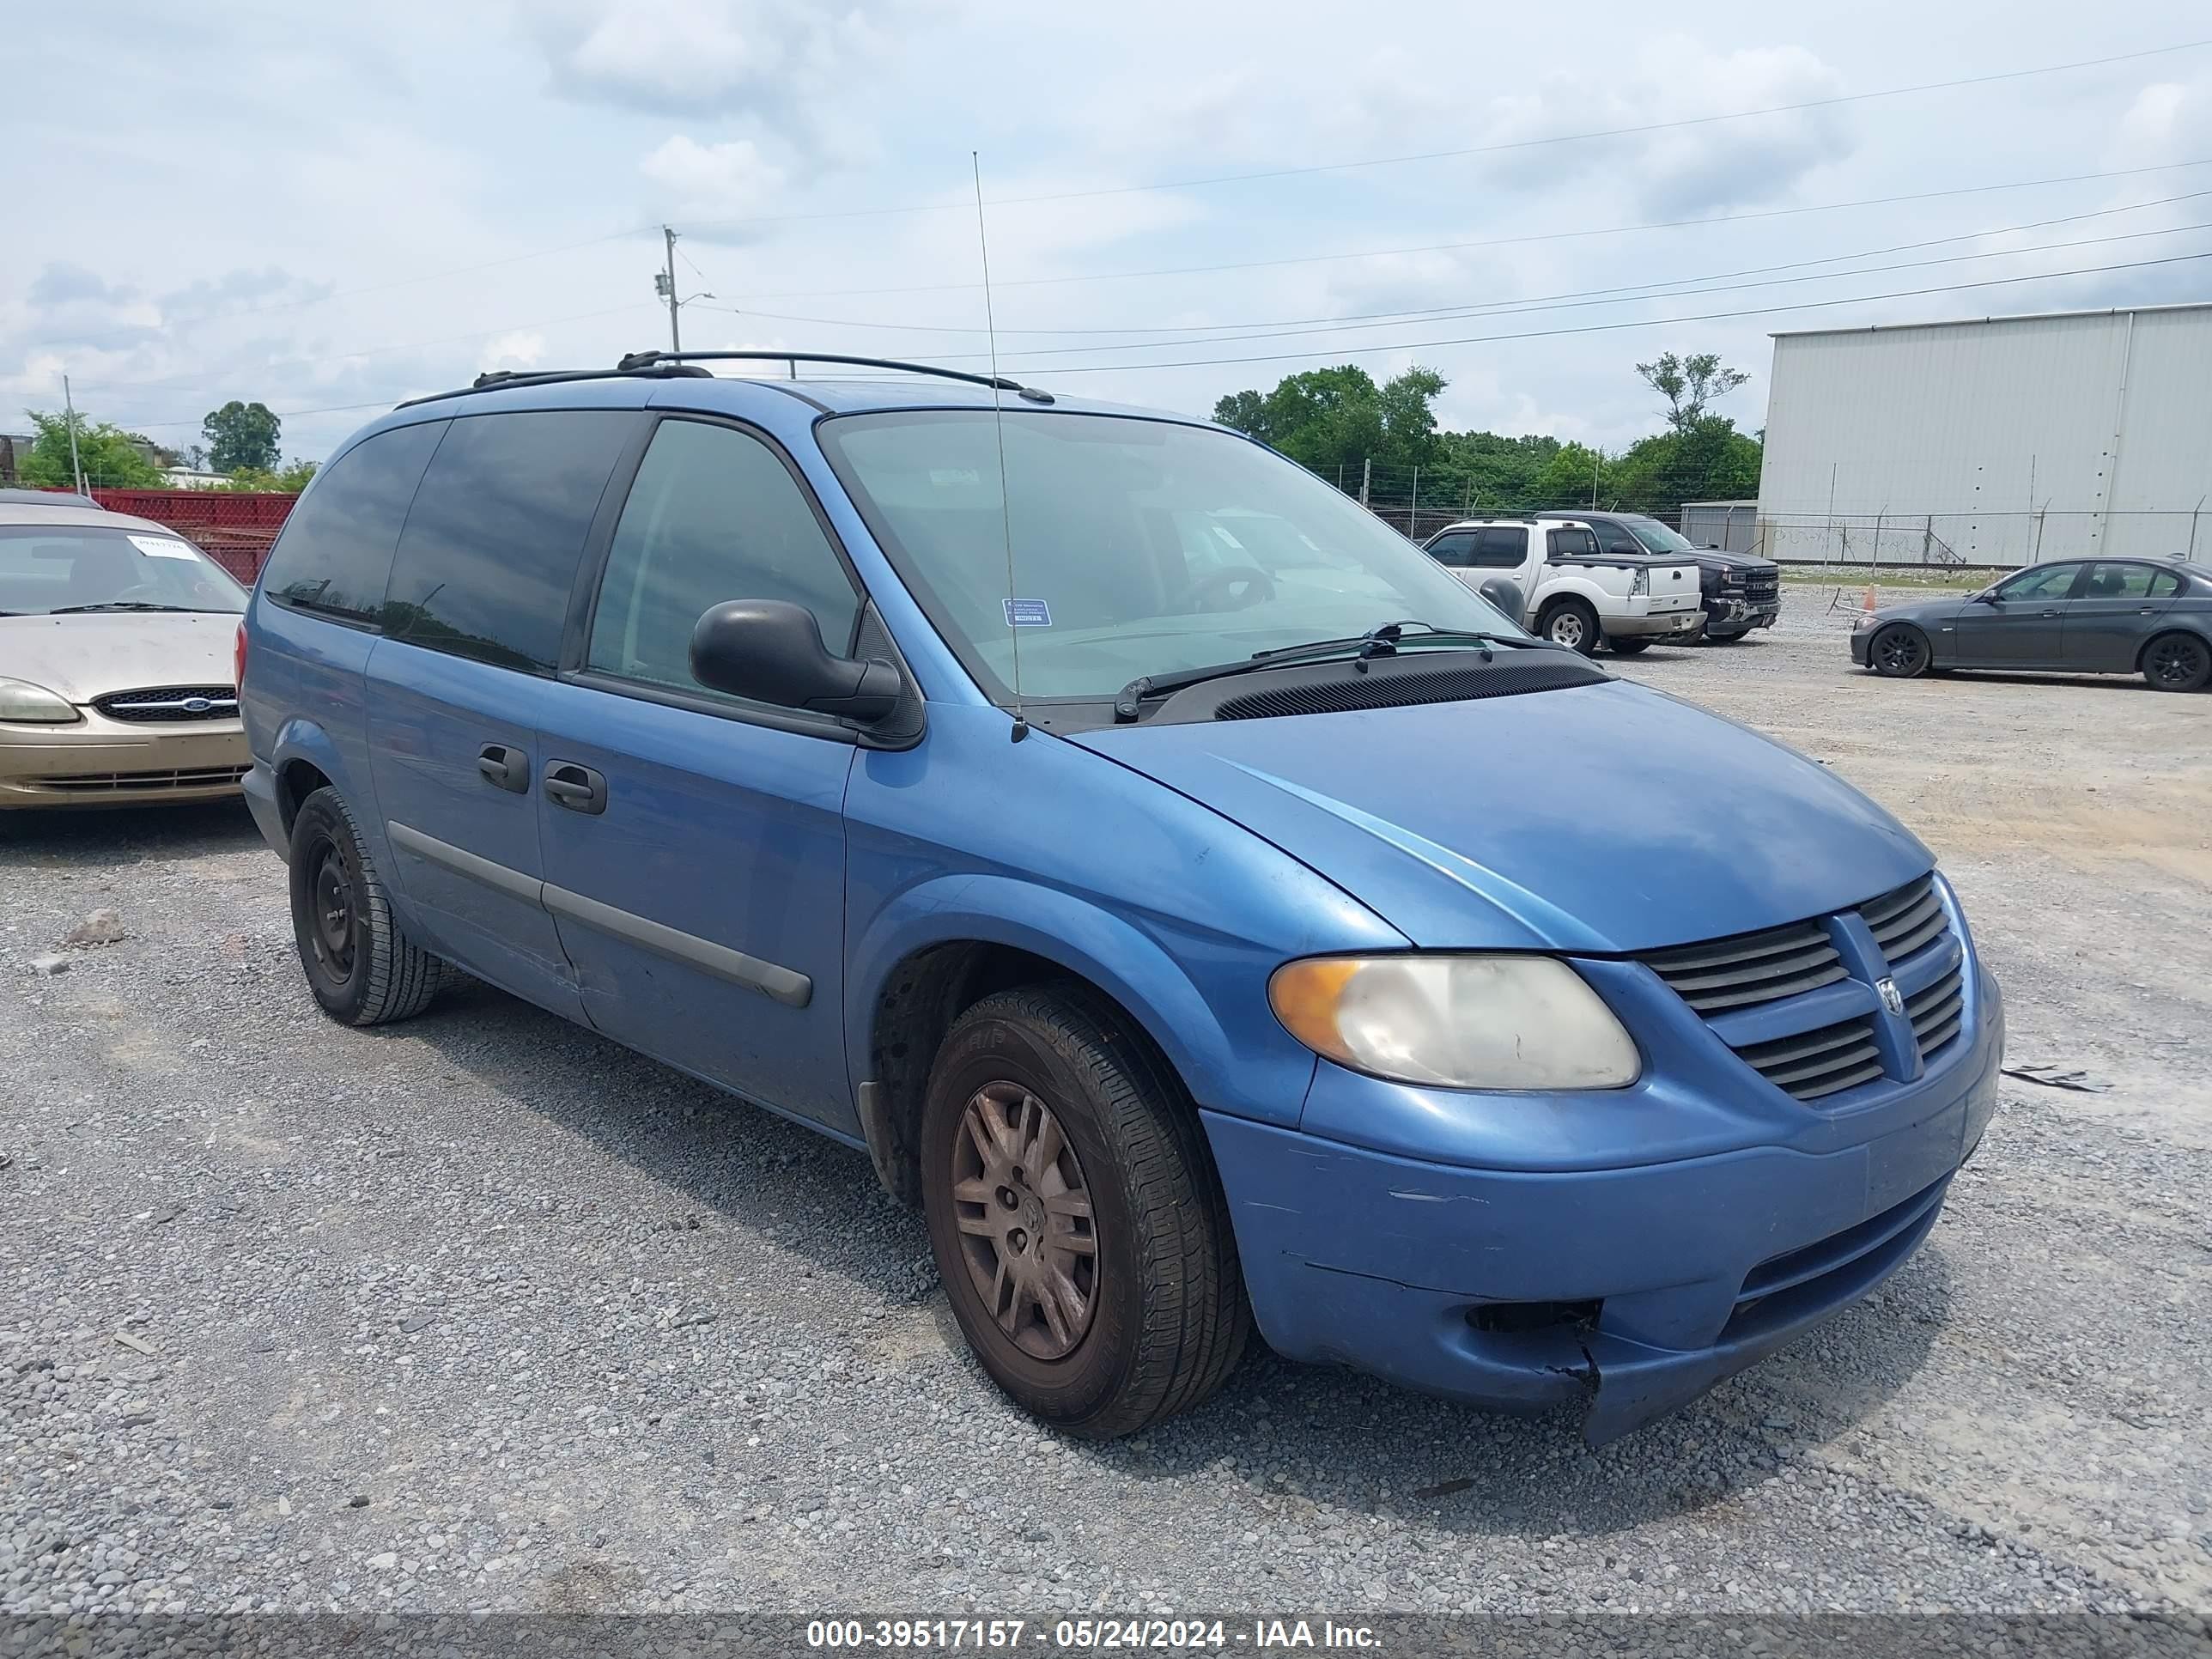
(1409,685)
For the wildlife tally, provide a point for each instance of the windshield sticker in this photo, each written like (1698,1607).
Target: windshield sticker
(1028,613)
(162,547)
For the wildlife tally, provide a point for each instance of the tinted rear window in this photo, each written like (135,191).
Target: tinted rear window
(497,528)
(334,552)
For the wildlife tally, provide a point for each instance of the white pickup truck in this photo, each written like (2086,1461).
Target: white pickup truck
(1571,594)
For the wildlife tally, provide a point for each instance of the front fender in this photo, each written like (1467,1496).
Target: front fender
(1253,1070)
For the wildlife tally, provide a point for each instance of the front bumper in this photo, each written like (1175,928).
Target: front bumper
(1727,613)
(1862,646)
(1667,624)
(1634,1289)
(98,761)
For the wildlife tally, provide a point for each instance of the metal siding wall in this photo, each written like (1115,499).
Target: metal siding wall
(1992,439)
(2160,491)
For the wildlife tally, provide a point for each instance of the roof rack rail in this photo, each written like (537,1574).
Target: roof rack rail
(642,360)
(497,378)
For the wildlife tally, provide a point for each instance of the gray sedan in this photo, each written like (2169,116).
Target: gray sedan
(2147,616)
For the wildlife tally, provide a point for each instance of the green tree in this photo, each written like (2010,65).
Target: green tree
(1573,475)
(1335,419)
(241,435)
(286,481)
(1711,461)
(110,457)
(1690,383)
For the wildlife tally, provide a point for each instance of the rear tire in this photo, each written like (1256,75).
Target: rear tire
(1898,652)
(1572,624)
(1098,1195)
(1628,647)
(2177,662)
(360,964)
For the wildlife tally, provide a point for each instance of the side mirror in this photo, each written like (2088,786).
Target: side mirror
(1987,596)
(1504,593)
(771,651)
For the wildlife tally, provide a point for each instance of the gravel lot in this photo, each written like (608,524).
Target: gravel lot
(482,1312)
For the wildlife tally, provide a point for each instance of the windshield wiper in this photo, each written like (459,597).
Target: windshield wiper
(118,605)
(1383,640)
(1376,641)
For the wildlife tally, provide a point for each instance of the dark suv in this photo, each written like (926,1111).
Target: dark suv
(1742,591)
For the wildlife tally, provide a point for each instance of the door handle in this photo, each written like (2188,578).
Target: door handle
(508,767)
(2052,612)
(578,788)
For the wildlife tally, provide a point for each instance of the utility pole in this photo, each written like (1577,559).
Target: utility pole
(69,407)
(665,282)
(1366,473)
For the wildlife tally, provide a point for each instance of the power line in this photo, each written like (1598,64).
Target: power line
(1226,329)
(1605,328)
(1513,308)
(1495,241)
(1486,149)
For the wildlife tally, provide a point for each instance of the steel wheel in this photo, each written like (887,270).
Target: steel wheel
(2176,663)
(1899,653)
(336,931)
(1028,1234)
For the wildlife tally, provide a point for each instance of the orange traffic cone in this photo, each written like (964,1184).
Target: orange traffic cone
(1866,603)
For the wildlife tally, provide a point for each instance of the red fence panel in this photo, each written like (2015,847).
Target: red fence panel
(233,527)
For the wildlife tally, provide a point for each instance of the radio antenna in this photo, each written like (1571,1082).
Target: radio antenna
(998,426)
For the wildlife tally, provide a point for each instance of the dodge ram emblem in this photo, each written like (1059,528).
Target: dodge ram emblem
(1892,999)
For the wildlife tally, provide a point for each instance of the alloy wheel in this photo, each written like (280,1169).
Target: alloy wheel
(1567,630)
(2177,662)
(1901,652)
(1027,1231)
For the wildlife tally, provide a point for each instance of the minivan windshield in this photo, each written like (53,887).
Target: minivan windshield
(1654,536)
(1137,547)
(62,569)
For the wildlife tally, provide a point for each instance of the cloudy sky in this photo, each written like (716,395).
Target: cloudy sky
(331,209)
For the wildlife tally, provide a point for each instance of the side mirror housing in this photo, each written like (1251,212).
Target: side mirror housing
(771,651)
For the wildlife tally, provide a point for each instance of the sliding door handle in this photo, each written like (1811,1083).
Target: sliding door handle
(578,788)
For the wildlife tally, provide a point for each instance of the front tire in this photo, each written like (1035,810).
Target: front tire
(360,964)
(2177,662)
(1900,652)
(1079,1227)
(1712,638)
(1628,647)
(1572,624)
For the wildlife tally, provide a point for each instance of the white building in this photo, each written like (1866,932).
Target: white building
(2000,440)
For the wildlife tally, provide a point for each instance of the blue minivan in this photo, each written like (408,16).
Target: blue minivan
(1209,912)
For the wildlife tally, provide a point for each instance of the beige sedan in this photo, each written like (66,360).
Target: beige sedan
(116,650)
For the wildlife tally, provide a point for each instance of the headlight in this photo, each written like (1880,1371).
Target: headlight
(1866,620)
(1457,1022)
(28,704)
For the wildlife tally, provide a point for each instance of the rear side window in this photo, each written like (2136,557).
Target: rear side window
(491,548)
(1575,542)
(1453,549)
(714,515)
(334,554)
(1501,547)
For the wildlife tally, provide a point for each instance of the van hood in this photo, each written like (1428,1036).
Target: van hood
(1600,818)
(91,654)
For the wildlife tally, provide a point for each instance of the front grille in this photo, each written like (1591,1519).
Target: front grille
(1760,586)
(1937,1011)
(1751,968)
(1903,920)
(1550,672)
(110,783)
(1810,1064)
(1723,978)
(170,703)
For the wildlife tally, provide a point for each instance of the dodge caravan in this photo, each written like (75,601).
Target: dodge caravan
(1207,942)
